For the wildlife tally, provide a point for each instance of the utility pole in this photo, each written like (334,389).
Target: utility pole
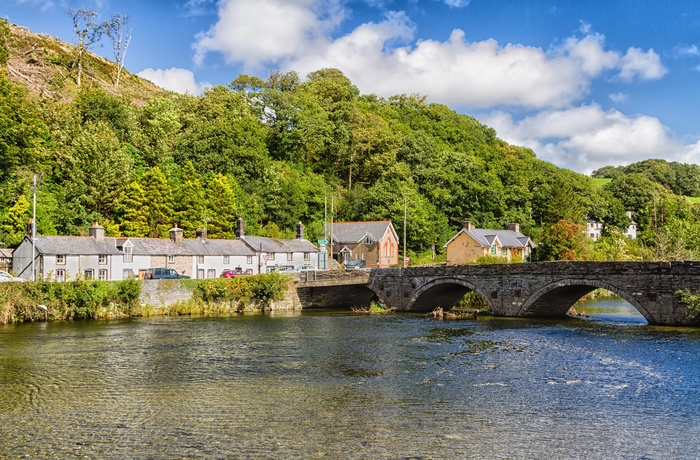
(34,231)
(404,232)
(331,240)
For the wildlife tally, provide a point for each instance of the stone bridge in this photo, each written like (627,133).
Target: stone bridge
(544,289)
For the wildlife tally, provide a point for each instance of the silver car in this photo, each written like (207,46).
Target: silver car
(4,276)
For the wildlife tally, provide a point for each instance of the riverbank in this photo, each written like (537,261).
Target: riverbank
(91,299)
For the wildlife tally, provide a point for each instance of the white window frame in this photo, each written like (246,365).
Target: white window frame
(128,254)
(60,259)
(102,274)
(102,259)
(211,273)
(227,260)
(249,259)
(307,256)
(200,259)
(290,256)
(60,274)
(171,259)
(89,274)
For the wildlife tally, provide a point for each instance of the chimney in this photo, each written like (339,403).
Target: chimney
(514,227)
(97,231)
(176,235)
(30,228)
(240,230)
(468,225)
(300,231)
(201,234)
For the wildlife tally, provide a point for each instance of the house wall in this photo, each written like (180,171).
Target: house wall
(22,259)
(216,263)
(464,249)
(392,258)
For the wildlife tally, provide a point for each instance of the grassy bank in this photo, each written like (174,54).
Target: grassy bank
(82,299)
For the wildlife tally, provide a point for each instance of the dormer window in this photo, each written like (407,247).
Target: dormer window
(367,240)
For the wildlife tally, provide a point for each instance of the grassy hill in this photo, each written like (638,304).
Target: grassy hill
(45,65)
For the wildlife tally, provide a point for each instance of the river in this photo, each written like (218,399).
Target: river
(330,384)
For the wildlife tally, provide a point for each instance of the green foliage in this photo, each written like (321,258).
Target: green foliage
(241,290)
(81,299)
(489,259)
(13,225)
(4,35)
(563,241)
(691,299)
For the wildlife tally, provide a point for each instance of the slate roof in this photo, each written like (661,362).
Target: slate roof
(486,237)
(86,245)
(354,232)
(75,245)
(6,253)
(270,245)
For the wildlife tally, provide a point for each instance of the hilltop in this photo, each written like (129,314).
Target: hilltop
(45,65)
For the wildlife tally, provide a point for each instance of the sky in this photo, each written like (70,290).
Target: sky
(583,83)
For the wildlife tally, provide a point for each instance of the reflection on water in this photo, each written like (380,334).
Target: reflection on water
(336,385)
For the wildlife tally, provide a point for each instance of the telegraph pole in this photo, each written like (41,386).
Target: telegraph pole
(34,231)
(404,232)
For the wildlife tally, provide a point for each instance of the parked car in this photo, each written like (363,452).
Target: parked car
(163,273)
(4,276)
(230,273)
(281,268)
(355,264)
(306,267)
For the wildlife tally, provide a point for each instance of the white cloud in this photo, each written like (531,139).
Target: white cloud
(255,32)
(618,98)
(586,138)
(646,65)
(457,3)
(179,80)
(691,50)
(297,35)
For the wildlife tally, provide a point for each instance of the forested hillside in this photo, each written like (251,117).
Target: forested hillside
(282,150)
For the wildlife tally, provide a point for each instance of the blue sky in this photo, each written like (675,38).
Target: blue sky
(583,83)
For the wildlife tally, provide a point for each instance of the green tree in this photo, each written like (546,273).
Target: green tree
(158,206)
(563,241)
(132,211)
(190,205)
(13,225)
(221,208)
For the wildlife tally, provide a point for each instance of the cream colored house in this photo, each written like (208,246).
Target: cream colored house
(470,243)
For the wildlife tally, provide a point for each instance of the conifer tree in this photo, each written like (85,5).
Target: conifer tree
(190,203)
(221,208)
(158,203)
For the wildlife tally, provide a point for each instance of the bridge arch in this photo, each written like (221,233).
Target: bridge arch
(556,298)
(442,292)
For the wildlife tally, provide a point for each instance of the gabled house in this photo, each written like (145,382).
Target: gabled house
(470,243)
(374,242)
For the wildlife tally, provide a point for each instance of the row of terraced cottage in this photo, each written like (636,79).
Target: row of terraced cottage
(96,256)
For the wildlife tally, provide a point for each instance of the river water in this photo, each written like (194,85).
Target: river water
(323,384)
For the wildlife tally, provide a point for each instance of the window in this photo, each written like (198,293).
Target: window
(249,259)
(307,256)
(60,259)
(271,256)
(127,273)
(89,274)
(200,274)
(290,256)
(102,275)
(226,260)
(102,259)
(200,259)
(493,249)
(211,273)
(128,254)
(60,275)
(171,259)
